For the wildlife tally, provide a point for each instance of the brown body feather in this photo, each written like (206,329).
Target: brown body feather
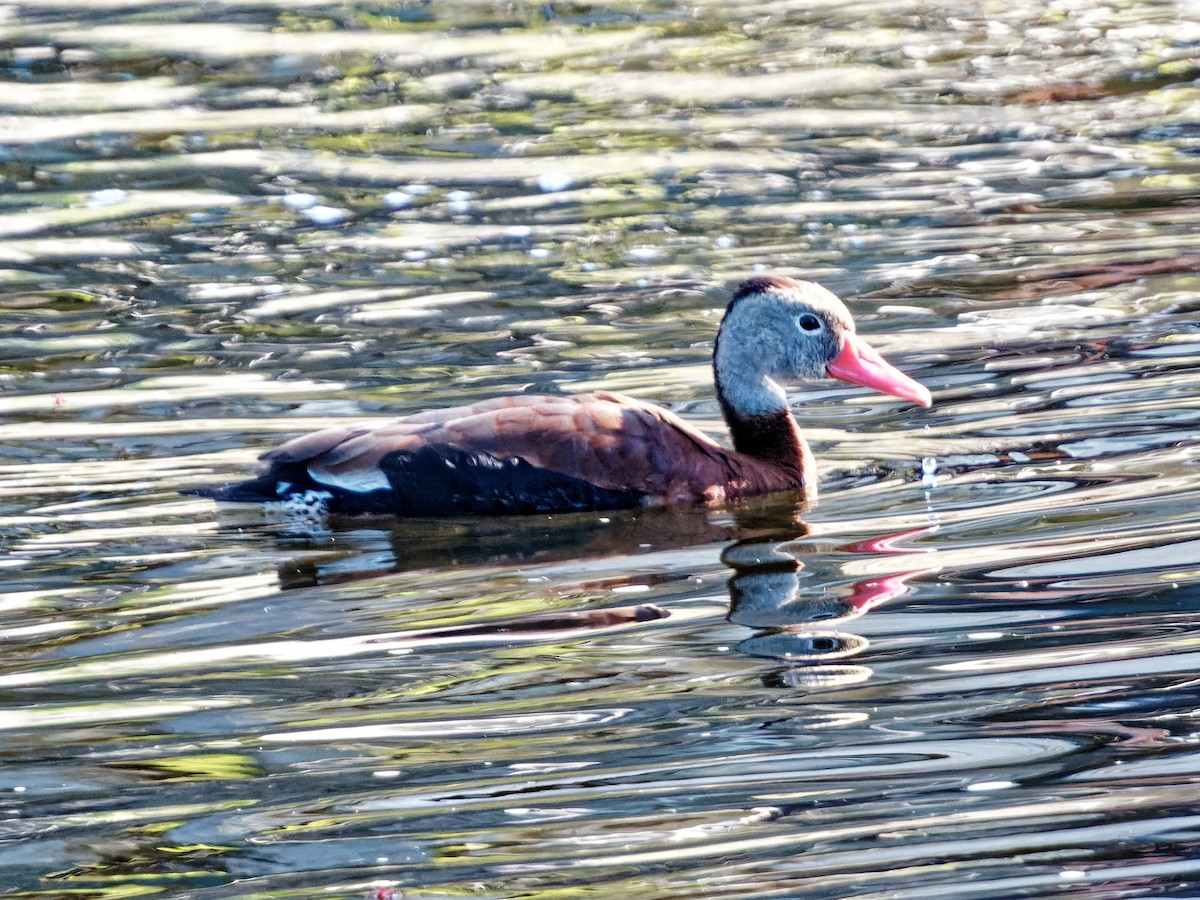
(609,440)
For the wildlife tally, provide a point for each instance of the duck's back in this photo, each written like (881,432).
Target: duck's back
(521,454)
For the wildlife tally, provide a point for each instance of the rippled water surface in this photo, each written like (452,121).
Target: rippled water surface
(970,672)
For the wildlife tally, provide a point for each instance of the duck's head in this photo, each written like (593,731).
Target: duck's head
(781,330)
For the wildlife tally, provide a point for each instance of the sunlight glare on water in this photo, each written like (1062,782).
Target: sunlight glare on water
(969,671)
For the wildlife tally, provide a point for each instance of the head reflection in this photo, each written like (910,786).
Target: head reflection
(799,620)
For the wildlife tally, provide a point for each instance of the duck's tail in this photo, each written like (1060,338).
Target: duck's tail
(279,482)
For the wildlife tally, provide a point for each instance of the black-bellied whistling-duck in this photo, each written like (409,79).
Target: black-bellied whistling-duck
(536,453)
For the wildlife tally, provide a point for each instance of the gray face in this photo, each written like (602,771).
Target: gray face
(787,330)
(778,330)
(813,341)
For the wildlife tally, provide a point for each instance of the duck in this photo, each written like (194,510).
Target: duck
(541,453)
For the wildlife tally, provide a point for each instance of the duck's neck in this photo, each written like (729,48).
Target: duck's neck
(762,426)
(754,404)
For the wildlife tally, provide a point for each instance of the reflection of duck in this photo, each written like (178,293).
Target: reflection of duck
(800,630)
(803,629)
(354,549)
(531,453)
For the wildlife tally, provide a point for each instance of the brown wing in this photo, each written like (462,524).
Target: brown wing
(608,440)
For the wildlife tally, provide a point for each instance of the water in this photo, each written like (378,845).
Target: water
(969,672)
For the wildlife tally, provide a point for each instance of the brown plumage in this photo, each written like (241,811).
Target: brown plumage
(536,453)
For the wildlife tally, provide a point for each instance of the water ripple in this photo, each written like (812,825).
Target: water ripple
(967,672)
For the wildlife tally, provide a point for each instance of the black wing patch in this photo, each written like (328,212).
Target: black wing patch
(437,481)
(447,481)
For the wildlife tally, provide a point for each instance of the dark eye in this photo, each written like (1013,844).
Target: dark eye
(810,322)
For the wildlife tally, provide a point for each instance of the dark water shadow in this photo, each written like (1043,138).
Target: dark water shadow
(335,556)
(797,622)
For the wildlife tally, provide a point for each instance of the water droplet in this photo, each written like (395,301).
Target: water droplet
(929,471)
